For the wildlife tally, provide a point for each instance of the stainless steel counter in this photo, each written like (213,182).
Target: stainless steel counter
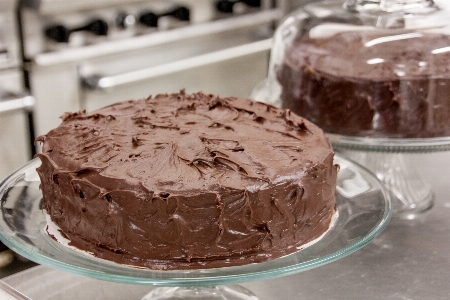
(409,260)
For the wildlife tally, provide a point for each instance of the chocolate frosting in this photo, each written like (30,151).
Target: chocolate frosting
(188,181)
(368,84)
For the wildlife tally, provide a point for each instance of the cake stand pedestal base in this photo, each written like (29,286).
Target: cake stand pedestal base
(221,292)
(410,194)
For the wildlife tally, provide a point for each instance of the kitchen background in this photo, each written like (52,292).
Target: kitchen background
(61,55)
(65,55)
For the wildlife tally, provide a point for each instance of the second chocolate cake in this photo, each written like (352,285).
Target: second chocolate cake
(365,84)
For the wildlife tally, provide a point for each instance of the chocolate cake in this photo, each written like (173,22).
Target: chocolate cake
(183,181)
(364,84)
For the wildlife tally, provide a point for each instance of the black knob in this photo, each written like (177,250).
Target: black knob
(180,13)
(96,26)
(226,6)
(150,19)
(60,33)
(253,3)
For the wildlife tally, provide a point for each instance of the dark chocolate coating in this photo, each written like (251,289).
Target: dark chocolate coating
(186,181)
(356,84)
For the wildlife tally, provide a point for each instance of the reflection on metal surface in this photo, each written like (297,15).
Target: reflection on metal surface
(9,293)
(391,38)
(441,50)
(20,103)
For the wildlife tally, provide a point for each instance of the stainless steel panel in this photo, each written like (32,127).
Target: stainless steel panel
(9,293)
(56,90)
(14,142)
(9,37)
(14,135)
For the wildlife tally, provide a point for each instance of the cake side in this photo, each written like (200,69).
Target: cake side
(356,83)
(188,181)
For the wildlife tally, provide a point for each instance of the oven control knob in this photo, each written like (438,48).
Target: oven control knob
(181,13)
(124,20)
(150,19)
(226,6)
(57,33)
(60,33)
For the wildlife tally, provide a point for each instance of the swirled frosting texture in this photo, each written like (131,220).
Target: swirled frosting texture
(188,181)
(370,85)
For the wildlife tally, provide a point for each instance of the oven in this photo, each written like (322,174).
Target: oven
(15,104)
(85,54)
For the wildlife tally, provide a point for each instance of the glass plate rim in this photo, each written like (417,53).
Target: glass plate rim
(202,280)
(383,144)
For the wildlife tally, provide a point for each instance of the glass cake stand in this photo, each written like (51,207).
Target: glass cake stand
(364,210)
(385,157)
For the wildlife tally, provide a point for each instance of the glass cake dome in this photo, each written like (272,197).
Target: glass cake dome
(364,68)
